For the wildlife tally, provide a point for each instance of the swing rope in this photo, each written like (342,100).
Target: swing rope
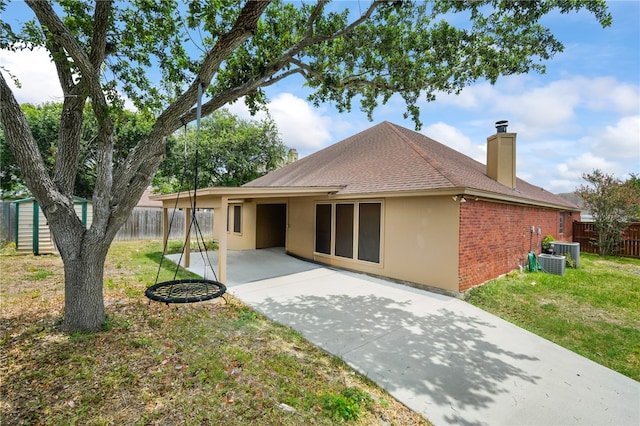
(188,290)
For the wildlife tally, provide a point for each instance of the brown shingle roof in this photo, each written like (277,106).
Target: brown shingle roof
(389,158)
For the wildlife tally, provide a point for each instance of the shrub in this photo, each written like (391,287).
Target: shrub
(570,263)
(546,243)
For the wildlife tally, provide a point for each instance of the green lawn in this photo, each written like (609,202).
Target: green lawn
(191,364)
(593,310)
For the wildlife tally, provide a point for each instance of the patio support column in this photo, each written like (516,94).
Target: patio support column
(187,239)
(165,230)
(222,243)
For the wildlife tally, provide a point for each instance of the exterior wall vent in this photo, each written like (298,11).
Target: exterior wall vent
(552,264)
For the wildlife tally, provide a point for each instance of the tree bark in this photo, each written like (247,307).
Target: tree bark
(83,298)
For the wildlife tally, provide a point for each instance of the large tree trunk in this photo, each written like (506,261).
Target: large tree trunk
(83,253)
(84,250)
(84,303)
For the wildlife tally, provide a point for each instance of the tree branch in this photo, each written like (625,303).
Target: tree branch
(273,80)
(25,150)
(317,13)
(63,68)
(310,40)
(70,132)
(100,26)
(90,73)
(243,28)
(48,18)
(279,64)
(146,156)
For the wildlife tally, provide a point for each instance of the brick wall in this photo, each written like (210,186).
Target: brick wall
(495,237)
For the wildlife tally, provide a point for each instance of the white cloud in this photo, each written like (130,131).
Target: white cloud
(558,186)
(605,93)
(544,108)
(454,138)
(557,107)
(614,149)
(36,74)
(575,167)
(619,141)
(301,126)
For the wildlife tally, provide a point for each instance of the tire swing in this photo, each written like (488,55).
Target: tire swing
(188,290)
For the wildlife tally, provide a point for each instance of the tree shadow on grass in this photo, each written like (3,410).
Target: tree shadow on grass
(169,267)
(442,354)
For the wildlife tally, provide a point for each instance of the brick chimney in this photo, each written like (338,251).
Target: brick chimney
(501,155)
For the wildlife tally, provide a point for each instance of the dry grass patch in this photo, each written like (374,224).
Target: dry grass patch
(206,363)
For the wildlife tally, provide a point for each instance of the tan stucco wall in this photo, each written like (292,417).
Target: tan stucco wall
(501,158)
(419,239)
(246,239)
(422,240)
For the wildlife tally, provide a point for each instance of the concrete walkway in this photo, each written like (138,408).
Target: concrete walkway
(445,359)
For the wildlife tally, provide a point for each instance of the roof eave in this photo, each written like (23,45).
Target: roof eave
(516,199)
(251,192)
(471,192)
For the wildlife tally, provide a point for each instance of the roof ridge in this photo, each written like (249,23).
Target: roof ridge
(424,155)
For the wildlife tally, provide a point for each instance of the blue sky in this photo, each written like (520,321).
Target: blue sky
(584,113)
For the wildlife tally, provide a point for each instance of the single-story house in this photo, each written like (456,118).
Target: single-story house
(573,198)
(392,202)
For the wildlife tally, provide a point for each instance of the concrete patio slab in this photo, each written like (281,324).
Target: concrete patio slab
(447,360)
(246,265)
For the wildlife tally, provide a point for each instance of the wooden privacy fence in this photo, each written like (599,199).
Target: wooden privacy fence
(143,224)
(585,234)
(146,224)
(7,222)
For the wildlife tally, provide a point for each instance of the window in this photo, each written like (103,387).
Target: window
(323,228)
(561,227)
(369,232)
(344,229)
(237,219)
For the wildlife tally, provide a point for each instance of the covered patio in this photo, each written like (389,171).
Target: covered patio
(220,199)
(246,266)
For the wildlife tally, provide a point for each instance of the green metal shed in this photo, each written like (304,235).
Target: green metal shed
(32,230)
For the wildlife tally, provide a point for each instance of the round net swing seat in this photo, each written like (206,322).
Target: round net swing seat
(189,290)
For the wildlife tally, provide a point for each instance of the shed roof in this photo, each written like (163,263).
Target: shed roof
(388,158)
(76,200)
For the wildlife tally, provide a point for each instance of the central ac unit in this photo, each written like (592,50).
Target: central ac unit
(551,263)
(560,248)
